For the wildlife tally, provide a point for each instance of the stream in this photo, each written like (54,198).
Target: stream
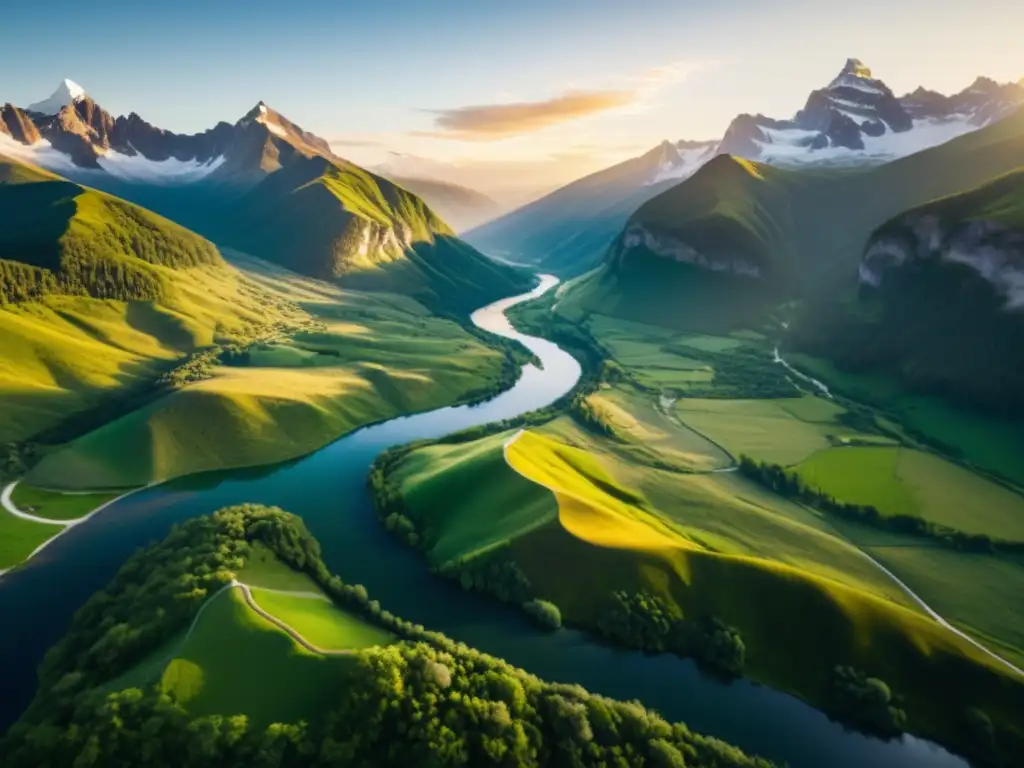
(327,488)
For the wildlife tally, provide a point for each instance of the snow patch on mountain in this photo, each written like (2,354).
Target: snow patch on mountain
(682,160)
(792,146)
(68,92)
(171,172)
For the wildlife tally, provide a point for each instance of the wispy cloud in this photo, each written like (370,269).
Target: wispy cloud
(492,122)
(486,122)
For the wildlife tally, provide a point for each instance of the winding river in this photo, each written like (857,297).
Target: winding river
(327,489)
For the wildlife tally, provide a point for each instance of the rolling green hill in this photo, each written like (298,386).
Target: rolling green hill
(335,221)
(723,245)
(59,238)
(703,545)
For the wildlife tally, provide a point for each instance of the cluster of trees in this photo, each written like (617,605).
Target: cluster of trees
(744,372)
(866,702)
(105,256)
(494,572)
(546,614)
(646,622)
(791,486)
(16,459)
(424,701)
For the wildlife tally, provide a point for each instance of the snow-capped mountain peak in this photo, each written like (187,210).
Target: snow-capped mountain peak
(856,119)
(67,93)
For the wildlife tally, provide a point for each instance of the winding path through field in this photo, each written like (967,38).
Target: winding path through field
(909,592)
(251,602)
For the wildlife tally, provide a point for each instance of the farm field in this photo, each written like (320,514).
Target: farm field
(779,431)
(989,443)
(57,506)
(903,481)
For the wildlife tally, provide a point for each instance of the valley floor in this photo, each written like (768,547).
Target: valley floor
(636,491)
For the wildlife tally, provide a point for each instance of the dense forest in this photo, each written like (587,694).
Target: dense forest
(424,701)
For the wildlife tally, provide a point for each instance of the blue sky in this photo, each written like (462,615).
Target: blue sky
(405,76)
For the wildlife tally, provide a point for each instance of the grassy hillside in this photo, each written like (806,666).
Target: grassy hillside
(362,358)
(58,238)
(100,296)
(695,543)
(236,661)
(807,228)
(326,218)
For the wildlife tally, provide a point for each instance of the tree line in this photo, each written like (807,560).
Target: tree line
(424,701)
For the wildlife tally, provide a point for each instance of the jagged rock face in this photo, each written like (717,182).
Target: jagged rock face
(132,135)
(18,125)
(666,246)
(992,250)
(858,119)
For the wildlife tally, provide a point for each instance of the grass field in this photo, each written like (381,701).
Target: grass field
(63,354)
(611,538)
(263,569)
(902,481)
(469,498)
(364,358)
(974,592)
(57,506)
(643,350)
(781,431)
(236,662)
(19,538)
(651,430)
(989,443)
(320,622)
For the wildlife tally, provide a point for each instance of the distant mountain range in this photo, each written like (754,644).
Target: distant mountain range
(854,120)
(266,186)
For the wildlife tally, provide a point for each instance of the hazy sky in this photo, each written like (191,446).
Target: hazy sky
(506,95)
